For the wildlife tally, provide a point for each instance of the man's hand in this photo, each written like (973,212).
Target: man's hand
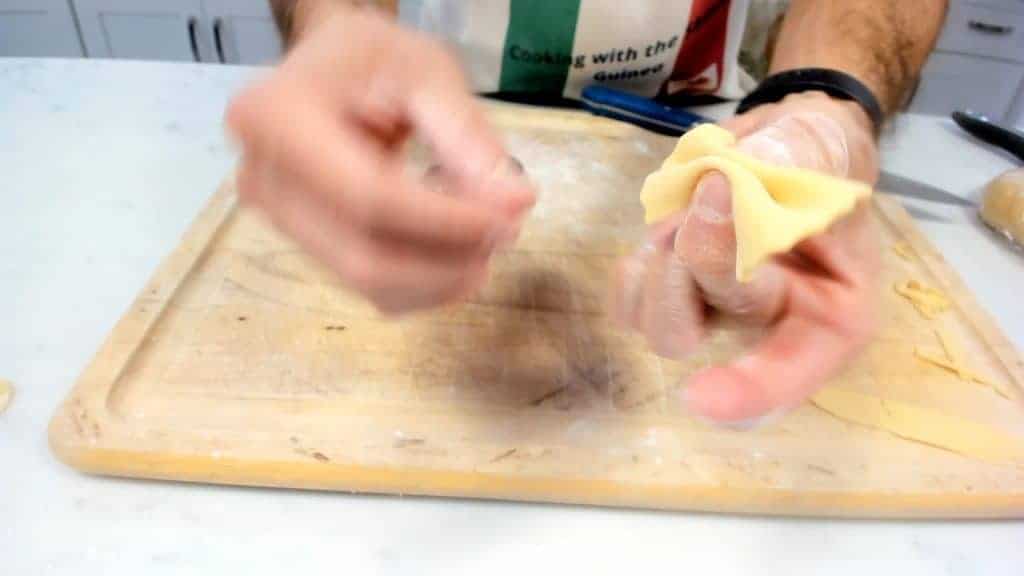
(818,302)
(322,139)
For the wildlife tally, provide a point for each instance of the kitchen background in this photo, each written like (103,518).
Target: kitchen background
(978,63)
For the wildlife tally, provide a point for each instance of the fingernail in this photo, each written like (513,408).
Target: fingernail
(519,194)
(507,169)
(712,202)
(513,165)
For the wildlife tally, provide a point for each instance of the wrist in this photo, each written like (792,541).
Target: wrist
(835,83)
(825,126)
(860,139)
(852,113)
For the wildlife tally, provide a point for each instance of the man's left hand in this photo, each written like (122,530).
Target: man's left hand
(818,301)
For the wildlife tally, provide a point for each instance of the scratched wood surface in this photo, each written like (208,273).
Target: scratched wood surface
(243,362)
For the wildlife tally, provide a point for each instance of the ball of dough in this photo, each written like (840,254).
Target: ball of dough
(1002,206)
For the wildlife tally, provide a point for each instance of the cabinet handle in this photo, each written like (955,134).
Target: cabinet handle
(192,41)
(985,27)
(218,42)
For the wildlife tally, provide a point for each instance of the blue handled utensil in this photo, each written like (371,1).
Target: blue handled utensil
(639,111)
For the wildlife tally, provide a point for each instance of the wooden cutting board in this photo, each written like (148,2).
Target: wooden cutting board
(242,362)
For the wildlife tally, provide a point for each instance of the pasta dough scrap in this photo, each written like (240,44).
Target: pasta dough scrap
(774,207)
(929,302)
(6,392)
(962,372)
(903,250)
(920,424)
(954,351)
(954,362)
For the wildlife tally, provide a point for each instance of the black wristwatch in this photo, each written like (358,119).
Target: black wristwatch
(832,82)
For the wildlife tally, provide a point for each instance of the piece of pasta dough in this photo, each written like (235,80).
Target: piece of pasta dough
(1002,206)
(774,207)
(920,424)
(904,251)
(928,301)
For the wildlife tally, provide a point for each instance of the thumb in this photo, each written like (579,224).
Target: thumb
(706,241)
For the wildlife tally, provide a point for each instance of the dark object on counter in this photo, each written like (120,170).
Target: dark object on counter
(979,126)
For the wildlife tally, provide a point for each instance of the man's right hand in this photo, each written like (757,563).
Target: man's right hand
(322,157)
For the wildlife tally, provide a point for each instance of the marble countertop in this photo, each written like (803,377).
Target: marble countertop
(105,163)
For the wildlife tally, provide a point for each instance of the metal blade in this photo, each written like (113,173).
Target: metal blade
(901,186)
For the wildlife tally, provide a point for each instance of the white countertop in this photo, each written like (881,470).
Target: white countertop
(102,167)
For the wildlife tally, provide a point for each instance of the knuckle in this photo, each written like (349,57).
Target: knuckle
(729,296)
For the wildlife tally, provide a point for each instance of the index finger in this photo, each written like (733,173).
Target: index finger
(786,367)
(352,172)
(828,317)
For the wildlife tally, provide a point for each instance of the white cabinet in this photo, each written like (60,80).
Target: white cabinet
(984,31)
(228,31)
(144,29)
(978,62)
(38,28)
(956,82)
(243,31)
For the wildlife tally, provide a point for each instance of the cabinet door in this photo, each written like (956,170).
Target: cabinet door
(38,28)
(983,31)
(953,82)
(143,29)
(1015,117)
(243,31)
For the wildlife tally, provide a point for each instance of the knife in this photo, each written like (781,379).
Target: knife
(980,126)
(671,121)
(909,188)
